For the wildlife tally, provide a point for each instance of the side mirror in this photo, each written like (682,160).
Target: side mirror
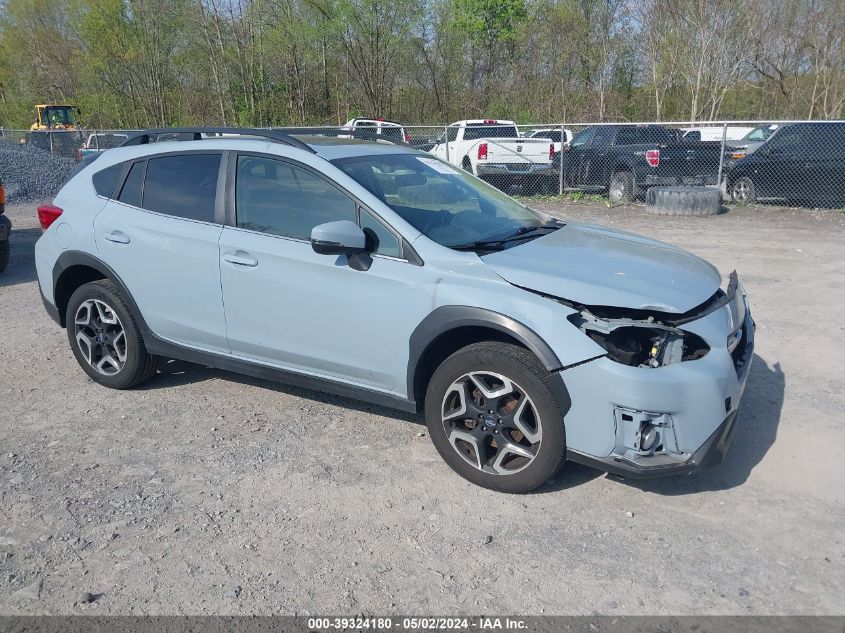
(342,237)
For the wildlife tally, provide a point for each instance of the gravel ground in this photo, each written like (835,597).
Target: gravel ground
(31,174)
(207,492)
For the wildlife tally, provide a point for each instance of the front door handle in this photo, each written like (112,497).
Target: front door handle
(240,258)
(119,237)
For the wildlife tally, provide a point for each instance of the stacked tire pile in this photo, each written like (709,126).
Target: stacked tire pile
(31,174)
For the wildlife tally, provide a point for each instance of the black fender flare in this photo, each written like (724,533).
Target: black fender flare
(68,259)
(446,318)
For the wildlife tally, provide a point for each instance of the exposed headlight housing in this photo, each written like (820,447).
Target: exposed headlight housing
(645,344)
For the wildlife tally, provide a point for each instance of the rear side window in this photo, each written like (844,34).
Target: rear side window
(130,193)
(184,185)
(106,179)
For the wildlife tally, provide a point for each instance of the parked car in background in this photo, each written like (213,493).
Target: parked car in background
(553,134)
(751,142)
(801,163)
(379,126)
(99,142)
(494,151)
(381,273)
(624,160)
(714,133)
(5,229)
(423,142)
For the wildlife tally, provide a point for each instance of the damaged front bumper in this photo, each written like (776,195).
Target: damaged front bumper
(643,423)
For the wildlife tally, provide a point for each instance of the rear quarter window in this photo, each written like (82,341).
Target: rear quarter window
(105,180)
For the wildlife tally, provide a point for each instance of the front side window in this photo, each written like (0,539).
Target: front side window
(445,203)
(184,185)
(275,197)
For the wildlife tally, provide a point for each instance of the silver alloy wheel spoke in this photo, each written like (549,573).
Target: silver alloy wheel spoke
(531,436)
(86,345)
(100,337)
(455,436)
(491,422)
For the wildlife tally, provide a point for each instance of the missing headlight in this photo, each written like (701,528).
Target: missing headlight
(645,344)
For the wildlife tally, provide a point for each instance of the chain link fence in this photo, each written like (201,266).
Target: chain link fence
(796,163)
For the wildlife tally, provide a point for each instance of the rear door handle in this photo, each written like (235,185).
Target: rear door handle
(240,258)
(118,237)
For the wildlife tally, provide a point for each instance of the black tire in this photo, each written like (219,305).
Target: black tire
(621,188)
(138,365)
(743,191)
(4,254)
(527,375)
(683,201)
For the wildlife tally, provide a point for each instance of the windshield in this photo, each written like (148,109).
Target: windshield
(59,116)
(759,133)
(583,137)
(105,141)
(447,204)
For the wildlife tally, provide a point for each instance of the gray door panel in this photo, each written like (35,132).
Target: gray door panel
(171,266)
(314,314)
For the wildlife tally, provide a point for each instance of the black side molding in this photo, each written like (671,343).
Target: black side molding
(160,347)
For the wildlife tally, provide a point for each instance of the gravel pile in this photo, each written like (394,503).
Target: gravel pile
(31,174)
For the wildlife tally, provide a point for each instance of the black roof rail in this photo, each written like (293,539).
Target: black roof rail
(339,131)
(196,134)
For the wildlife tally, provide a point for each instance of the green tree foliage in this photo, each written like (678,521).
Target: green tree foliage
(136,63)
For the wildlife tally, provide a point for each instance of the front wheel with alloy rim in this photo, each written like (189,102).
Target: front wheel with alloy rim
(492,414)
(742,191)
(105,338)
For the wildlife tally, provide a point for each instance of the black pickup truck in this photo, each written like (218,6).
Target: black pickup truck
(624,160)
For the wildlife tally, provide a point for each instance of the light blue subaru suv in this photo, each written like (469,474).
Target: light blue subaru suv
(370,270)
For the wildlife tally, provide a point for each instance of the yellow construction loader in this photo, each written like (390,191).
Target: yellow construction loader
(56,129)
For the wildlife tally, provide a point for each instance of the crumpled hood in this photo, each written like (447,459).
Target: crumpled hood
(596,266)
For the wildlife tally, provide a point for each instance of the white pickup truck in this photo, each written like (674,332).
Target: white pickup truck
(494,151)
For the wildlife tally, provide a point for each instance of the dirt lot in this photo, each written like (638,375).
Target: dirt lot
(206,492)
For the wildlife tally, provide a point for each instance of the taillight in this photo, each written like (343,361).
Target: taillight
(490,122)
(2,198)
(652,156)
(47,214)
(482,151)
(552,151)
(407,138)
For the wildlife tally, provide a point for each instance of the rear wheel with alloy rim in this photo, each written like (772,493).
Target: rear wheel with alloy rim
(105,338)
(493,417)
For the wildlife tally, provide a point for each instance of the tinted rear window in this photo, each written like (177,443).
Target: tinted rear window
(478,130)
(183,185)
(106,179)
(392,132)
(645,135)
